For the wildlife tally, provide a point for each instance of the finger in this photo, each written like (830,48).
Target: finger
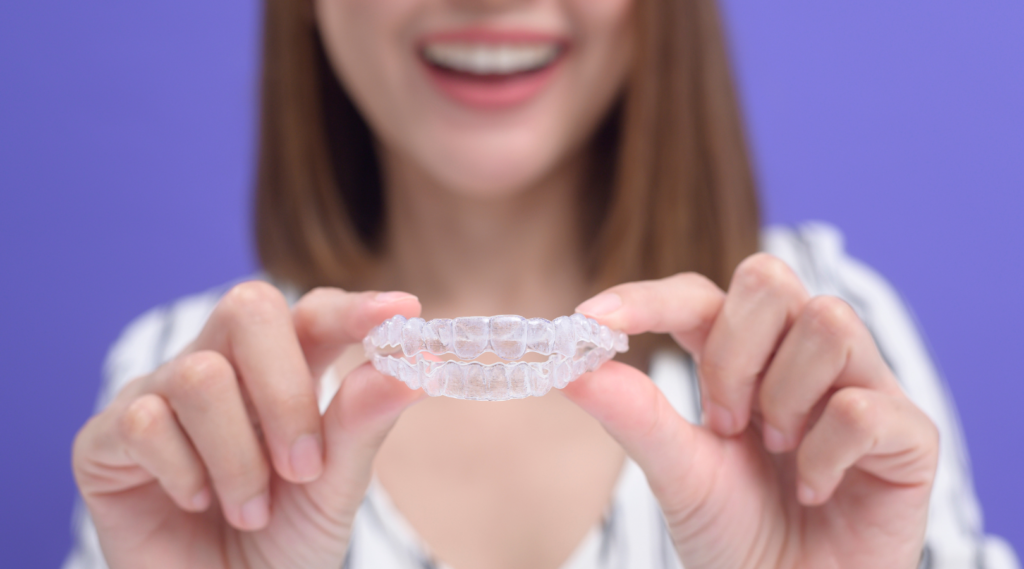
(827,348)
(153,439)
(684,305)
(329,319)
(252,326)
(881,434)
(764,298)
(203,391)
(636,414)
(98,445)
(355,424)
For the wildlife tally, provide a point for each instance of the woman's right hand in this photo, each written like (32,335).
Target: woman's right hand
(220,457)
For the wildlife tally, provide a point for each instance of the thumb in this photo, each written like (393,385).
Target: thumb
(355,425)
(672,452)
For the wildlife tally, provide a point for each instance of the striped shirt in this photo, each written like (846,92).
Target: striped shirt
(632,532)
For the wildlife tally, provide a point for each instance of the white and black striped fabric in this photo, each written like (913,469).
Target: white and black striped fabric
(632,534)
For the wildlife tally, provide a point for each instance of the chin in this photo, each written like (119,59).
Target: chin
(493,165)
(491,175)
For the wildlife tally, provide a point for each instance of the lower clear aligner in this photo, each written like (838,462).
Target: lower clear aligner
(574,345)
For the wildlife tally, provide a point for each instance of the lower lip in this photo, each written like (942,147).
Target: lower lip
(492,92)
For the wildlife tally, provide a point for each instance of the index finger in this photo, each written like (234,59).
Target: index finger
(327,320)
(684,305)
(252,327)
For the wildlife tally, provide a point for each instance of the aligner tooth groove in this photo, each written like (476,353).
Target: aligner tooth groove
(565,339)
(437,335)
(470,337)
(508,336)
(453,380)
(412,337)
(573,345)
(540,336)
(395,326)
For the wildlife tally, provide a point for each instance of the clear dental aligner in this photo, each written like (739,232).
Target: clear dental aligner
(574,345)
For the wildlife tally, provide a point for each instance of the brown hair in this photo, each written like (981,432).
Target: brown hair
(677,193)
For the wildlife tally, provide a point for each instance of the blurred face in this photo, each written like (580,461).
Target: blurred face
(485,97)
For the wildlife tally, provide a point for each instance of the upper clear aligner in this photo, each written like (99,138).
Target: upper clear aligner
(575,345)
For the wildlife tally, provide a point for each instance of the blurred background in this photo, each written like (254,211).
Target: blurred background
(126,160)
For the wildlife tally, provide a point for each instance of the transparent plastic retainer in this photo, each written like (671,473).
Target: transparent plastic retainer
(408,349)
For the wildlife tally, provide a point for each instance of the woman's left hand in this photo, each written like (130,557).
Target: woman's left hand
(810,454)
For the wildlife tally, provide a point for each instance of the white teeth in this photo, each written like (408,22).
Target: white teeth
(491,59)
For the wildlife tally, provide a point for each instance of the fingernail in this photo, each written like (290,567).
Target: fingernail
(393,296)
(805,494)
(201,500)
(601,305)
(719,418)
(775,440)
(306,457)
(256,512)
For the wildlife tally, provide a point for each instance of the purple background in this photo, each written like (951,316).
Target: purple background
(126,149)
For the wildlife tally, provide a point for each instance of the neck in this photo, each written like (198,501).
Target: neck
(518,253)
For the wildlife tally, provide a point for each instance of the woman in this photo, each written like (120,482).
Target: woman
(515,157)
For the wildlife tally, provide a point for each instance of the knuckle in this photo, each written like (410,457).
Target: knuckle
(312,300)
(299,405)
(934,435)
(140,421)
(854,410)
(306,321)
(922,453)
(810,462)
(256,300)
(776,402)
(926,432)
(931,446)
(763,272)
(293,411)
(83,445)
(246,472)
(831,316)
(200,373)
(308,315)
(714,368)
(322,294)
(246,476)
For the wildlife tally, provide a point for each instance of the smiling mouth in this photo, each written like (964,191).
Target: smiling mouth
(489,60)
(492,71)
